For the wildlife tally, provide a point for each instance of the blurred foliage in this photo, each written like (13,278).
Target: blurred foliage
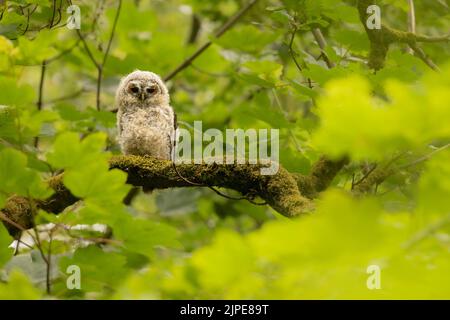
(266,72)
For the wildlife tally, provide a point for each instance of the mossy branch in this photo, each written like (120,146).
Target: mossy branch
(289,194)
(375,178)
(381,39)
(280,191)
(321,175)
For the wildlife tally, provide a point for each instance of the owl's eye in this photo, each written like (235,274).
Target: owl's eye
(134,89)
(151,90)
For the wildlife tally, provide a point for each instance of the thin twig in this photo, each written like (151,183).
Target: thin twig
(100,65)
(430,39)
(382,39)
(381,174)
(19,242)
(293,53)
(37,240)
(217,35)
(28,21)
(211,74)
(424,57)
(318,36)
(40,95)
(195,29)
(64,52)
(411,20)
(59,13)
(113,31)
(86,48)
(433,228)
(19,227)
(424,158)
(67,97)
(49,261)
(53,14)
(11,222)
(294,138)
(291,50)
(364,177)
(44,257)
(44,64)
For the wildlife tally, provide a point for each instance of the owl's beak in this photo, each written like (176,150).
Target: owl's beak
(143,96)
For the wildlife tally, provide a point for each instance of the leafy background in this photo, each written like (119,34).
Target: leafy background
(267,71)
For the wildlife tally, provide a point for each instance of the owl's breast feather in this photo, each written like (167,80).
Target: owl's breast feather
(147,132)
(150,117)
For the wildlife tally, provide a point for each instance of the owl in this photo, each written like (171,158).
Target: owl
(145,120)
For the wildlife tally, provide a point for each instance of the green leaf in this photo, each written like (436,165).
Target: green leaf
(353,40)
(433,188)
(106,118)
(32,265)
(413,116)
(304,90)
(175,202)
(5,240)
(17,178)
(246,38)
(342,12)
(322,75)
(33,52)
(18,287)
(262,109)
(71,113)
(7,122)
(10,22)
(71,153)
(18,95)
(264,73)
(94,182)
(142,236)
(8,53)
(99,270)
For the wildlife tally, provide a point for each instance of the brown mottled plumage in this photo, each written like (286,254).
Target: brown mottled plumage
(145,119)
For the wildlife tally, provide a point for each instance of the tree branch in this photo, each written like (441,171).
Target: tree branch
(381,39)
(381,173)
(423,56)
(318,36)
(195,29)
(289,194)
(321,175)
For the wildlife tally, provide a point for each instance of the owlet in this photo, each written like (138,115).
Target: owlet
(145,119)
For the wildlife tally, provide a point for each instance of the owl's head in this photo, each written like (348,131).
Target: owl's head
(142,88)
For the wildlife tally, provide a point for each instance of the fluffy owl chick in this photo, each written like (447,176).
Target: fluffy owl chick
(145,119)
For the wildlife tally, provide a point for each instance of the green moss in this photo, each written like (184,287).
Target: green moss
(19,210)
(381,39)
(280,190)
(289,194)
(375,178)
